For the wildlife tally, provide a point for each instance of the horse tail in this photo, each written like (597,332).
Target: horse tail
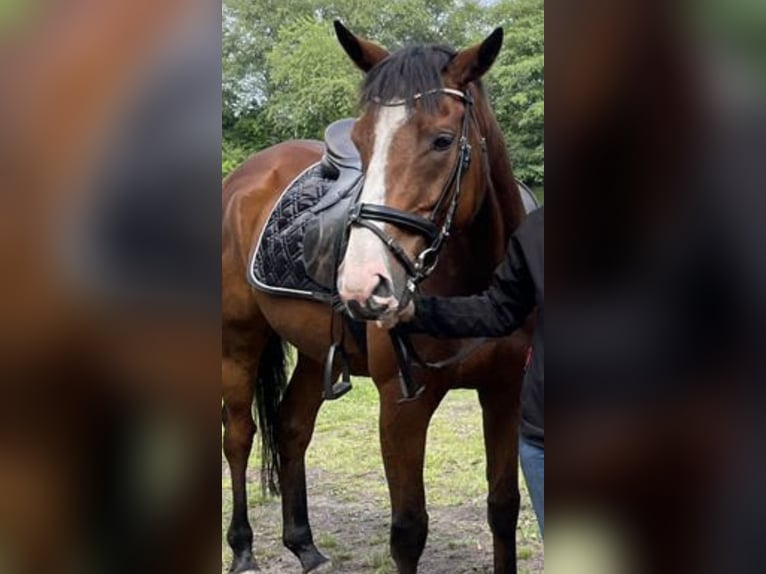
(270,385)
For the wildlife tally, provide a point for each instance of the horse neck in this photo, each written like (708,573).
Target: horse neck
(477,250)
(500,184)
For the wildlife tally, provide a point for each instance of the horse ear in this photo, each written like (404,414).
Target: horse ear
(364,53)
(471,64)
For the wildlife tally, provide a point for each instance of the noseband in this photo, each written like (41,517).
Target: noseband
(364,214)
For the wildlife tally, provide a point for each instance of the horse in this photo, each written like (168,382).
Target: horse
(424,111)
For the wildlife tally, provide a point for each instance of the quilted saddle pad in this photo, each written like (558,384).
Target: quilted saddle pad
(277,264)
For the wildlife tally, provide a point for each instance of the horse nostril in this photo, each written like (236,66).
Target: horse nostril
(384,288)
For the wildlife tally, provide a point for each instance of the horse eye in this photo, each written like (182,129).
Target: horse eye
(443,142)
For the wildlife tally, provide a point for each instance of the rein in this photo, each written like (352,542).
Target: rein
(365,215)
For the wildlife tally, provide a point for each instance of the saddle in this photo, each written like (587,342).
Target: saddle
(325,235)
(528,198)
(305,237)
(341,152)
(299,249)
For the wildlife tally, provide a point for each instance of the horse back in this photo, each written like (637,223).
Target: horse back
(250,191)
(264,171)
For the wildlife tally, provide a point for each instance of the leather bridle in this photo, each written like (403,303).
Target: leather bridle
(365,214)
(436,234)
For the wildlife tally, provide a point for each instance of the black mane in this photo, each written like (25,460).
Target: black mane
(406,72)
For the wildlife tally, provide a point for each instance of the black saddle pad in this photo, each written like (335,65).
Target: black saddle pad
(277,264)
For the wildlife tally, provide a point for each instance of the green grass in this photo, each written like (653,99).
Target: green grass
(346,443)
(345,451)
(454,456)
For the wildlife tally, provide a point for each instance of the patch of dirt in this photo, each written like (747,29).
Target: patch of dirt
(353,532)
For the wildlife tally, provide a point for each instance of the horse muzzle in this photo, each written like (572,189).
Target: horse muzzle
(371,304)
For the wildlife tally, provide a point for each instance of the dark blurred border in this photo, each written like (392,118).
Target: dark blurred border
(109,249)
(109,231)
(656,131)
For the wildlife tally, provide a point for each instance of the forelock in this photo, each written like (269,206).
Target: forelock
(407,72)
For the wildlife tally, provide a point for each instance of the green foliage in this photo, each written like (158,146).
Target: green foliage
(315,81)
(516,83)
(231,156)
(285,76)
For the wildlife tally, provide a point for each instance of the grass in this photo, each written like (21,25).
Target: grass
(345,452)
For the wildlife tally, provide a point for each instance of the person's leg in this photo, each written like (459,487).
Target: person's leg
(533,465)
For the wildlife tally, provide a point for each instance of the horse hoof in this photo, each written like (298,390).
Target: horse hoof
(244,565)
(314,562)
(323,568)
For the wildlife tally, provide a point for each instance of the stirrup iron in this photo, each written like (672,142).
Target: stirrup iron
(333,390)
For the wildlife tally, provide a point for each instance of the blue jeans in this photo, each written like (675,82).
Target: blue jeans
(533,465)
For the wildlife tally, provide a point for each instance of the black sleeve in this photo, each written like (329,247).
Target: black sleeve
(502,308)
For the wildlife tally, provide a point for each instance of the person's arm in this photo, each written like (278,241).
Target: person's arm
(502,308)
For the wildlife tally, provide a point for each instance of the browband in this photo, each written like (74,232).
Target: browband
(449,91)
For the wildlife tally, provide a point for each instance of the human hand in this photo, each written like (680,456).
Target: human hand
(390,320)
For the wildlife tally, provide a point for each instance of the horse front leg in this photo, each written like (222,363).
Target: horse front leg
(500,405)
(298,413)
(239,429)
(403,429)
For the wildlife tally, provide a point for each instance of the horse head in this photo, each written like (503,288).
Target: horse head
(423,154)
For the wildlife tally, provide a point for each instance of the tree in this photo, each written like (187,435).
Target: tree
(285,76)
(517,87)
(312,81)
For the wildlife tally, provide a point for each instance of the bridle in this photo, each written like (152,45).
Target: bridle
(436,235)
(417,270)
(365,214)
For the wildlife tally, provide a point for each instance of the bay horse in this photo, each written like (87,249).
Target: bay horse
(416,104)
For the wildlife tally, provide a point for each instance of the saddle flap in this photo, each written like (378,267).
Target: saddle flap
(325,237)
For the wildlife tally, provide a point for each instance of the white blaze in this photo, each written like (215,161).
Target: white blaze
(366,256)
